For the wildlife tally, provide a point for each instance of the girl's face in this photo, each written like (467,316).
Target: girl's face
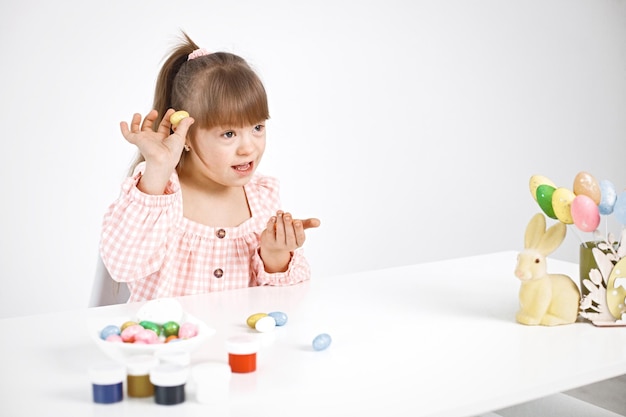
(228,155)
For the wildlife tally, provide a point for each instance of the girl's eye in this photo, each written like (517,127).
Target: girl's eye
(259,128)
(229,135)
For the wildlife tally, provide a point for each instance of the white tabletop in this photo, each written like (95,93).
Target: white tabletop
(434,339)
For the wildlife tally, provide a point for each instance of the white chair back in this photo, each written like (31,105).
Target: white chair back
(105,291)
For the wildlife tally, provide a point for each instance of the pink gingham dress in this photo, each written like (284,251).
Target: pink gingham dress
(147,243)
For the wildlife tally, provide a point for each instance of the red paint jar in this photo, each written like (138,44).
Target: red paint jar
(242,352)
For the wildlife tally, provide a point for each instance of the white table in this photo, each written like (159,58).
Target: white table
(434,339)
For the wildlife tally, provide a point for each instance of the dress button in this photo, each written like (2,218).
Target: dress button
(221,233)
(218,273)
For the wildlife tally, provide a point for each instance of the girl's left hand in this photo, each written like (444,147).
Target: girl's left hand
(281,237)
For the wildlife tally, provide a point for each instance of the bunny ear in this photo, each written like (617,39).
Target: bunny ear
(534,231)
(552,238)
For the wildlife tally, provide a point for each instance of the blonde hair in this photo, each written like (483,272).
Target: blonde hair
(217,89)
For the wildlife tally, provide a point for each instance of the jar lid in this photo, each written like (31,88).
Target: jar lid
(168,375)
(141,364)
(242,345)
(107,373)
(211,372)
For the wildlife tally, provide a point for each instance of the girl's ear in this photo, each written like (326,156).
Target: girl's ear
(534,231)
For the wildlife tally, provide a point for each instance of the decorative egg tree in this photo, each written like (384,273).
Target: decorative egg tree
(603,259)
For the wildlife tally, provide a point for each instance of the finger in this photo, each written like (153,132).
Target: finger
(166,125)
(280,228)
(311,223)
(134,126)
(299,232)
(290,234)
(149,120)
(271,227)
(184,126)
(124,129)
(135,122)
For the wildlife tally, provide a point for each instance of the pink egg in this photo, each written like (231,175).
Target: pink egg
(585,213)
(187,330)
(129,333)
(114,338)
(146,336)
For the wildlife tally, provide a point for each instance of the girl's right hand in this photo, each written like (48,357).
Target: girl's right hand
(160,149)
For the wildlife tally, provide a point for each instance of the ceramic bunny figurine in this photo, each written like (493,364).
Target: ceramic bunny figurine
(545,299)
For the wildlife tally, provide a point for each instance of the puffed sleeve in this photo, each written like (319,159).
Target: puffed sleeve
(268,193)
(297,271)
(135,229)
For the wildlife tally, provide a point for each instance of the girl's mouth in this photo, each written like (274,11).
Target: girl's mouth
(243,168)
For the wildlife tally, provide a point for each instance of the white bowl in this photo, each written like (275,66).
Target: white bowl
(121,351)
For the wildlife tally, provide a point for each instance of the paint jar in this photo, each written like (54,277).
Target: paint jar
(107,379)
(169,381)
(242,352)
(212,381)
(138,375)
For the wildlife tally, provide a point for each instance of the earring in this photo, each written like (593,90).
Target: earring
(187,148)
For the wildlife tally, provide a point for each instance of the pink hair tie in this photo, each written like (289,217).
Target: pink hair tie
(197,53)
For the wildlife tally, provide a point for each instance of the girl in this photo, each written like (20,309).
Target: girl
(194,216)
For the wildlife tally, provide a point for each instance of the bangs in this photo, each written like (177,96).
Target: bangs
(232,99)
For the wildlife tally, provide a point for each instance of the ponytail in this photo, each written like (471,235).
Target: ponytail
(165,80)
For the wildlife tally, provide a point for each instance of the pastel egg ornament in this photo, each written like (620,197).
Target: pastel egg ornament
(585,213)
(544,199)
(619,209)
(586,184)
(608,195)
(562,204)
(536,181)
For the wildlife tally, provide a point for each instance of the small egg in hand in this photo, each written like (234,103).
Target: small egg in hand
(176,117)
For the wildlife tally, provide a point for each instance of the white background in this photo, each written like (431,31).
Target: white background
(410,128)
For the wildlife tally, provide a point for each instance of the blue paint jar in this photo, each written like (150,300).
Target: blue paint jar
(107,379)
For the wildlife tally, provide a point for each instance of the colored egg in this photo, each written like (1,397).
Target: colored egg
(127,324)
(161,310)
(109,330)
(148,325)
(321,341)
(171,338)
(544,198)
(616,289)
(147,336)
(585,213)
(562,204)
(619,210)
(251,321)
(265,324)
(129,333)
(114,338)
(177,117)
(279,317)
(586,184)
(536,181)
(187,331)
(170,328)
(608,195)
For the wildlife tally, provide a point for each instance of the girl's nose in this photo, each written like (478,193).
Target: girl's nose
(246,144)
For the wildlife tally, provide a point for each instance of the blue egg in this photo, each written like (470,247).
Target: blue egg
(608,196)
(321,341)
(279,317)
(109,330)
